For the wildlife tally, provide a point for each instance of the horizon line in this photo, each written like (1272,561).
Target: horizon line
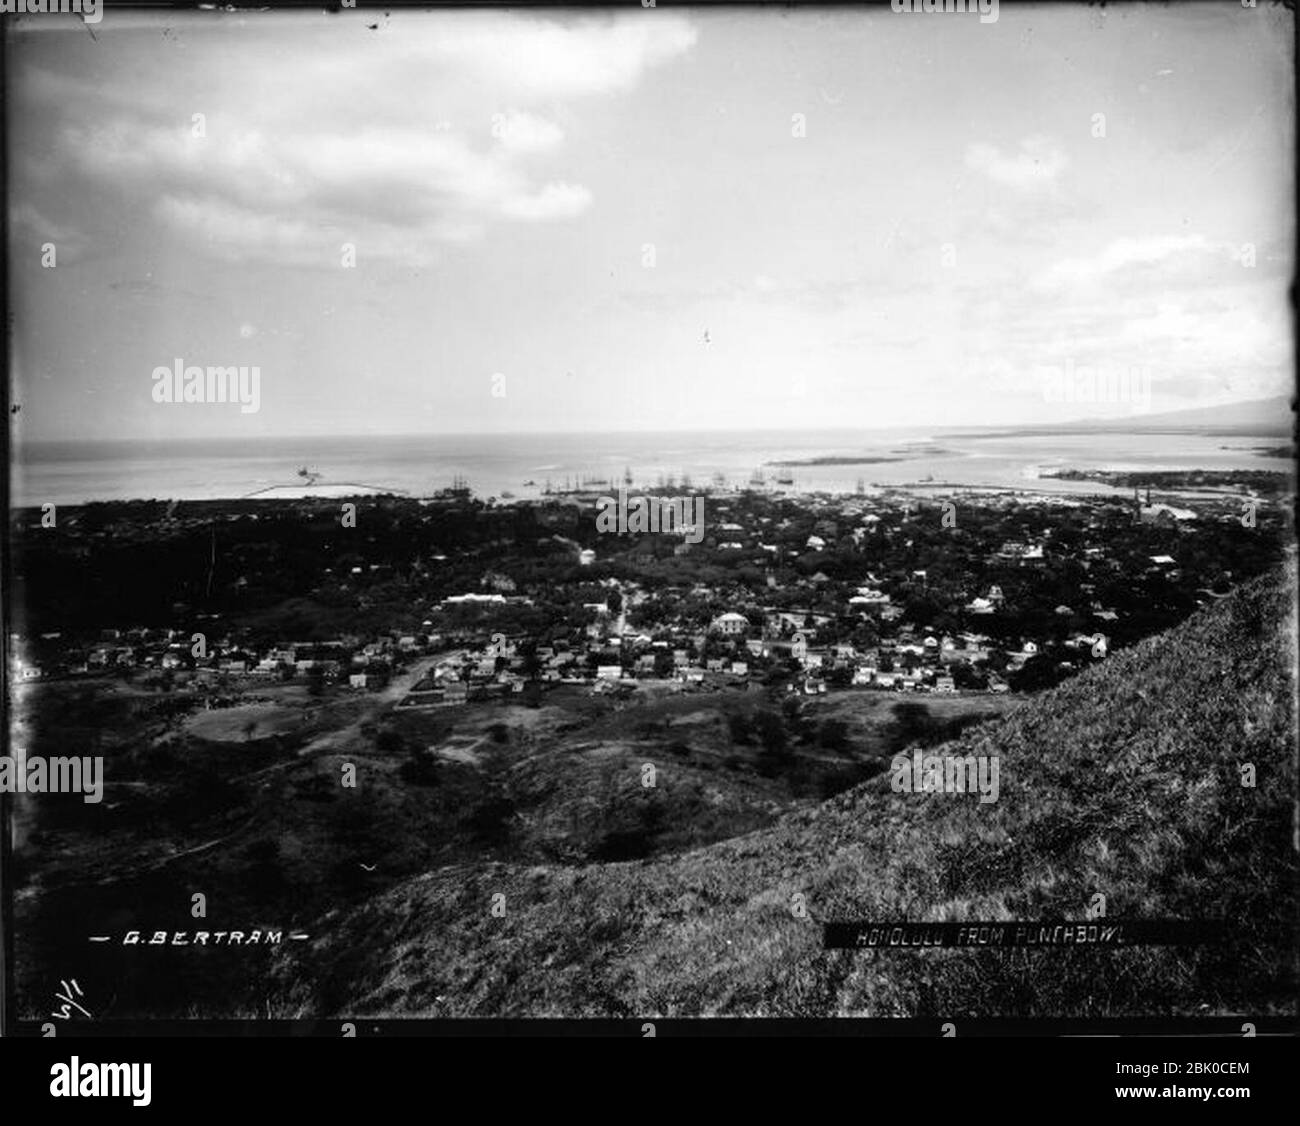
(1116,421)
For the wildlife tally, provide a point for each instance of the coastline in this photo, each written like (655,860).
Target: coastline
(524,468)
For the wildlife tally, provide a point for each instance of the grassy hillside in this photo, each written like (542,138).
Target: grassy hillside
(246,804)
(1125,781)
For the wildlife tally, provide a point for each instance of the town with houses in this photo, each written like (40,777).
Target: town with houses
(805,593)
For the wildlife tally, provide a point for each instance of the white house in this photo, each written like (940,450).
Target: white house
(730,624)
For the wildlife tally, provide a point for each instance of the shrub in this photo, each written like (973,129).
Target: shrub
(740,728)
(631,835)
(775,755)
(490,820)
(390,741)
(834,735)
(420,769)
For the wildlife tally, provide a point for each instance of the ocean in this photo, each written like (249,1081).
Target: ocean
(521,465)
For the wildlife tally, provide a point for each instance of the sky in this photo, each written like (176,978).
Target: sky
(652,219)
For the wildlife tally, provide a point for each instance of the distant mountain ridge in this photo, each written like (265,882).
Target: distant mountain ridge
(1127,781)
(1272,417)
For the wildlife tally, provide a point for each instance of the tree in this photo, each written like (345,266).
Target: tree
(740,728)
(771,733)
(490,821)
(834,735)
(264,879)
(1036,674)
(532,663)
(912,723)
(390,741)
(946,623)
(419,769)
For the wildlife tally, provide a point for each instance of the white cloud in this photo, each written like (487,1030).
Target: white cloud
(1035,166)
(432,130)
(24,216)
(522,132)
(555,201)
(250,190)
(234,232)
(554,59)
(29,227)
(1125,255)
